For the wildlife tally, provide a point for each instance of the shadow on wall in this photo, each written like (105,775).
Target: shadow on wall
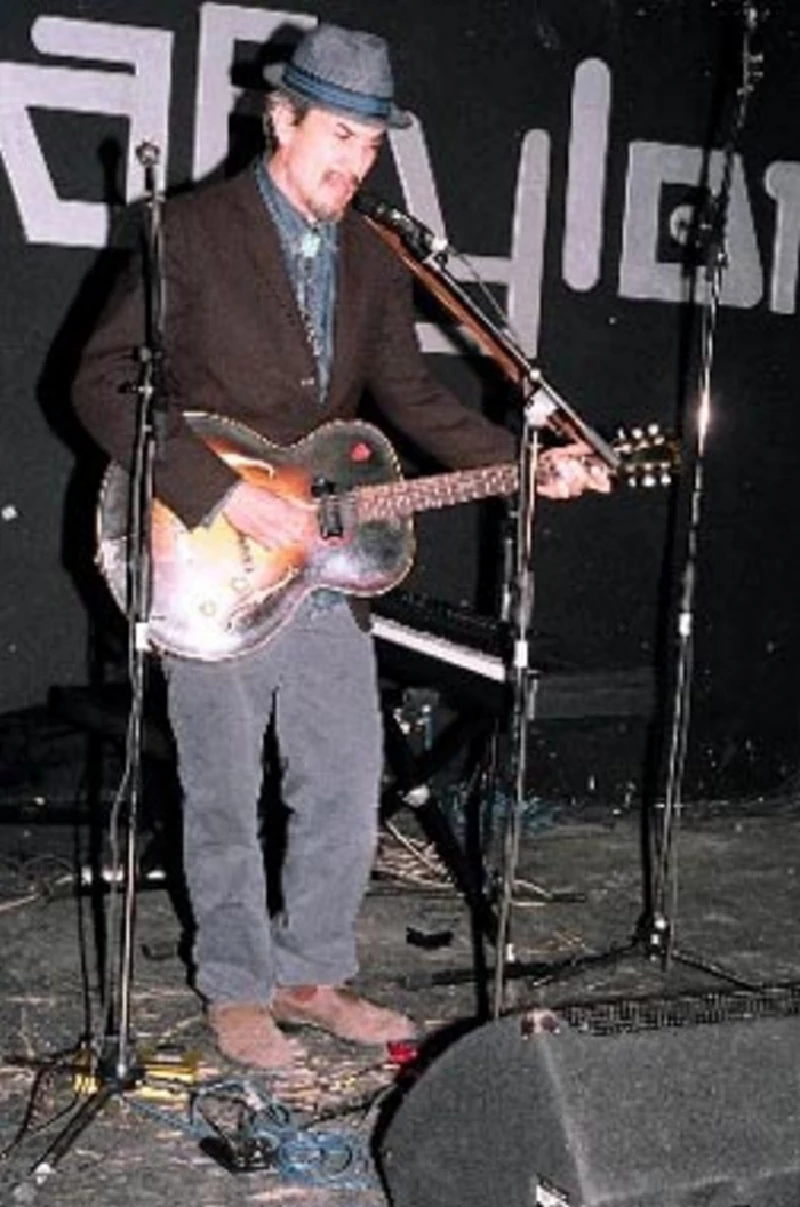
(128,234)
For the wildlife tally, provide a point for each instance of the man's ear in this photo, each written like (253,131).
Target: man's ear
(284,118)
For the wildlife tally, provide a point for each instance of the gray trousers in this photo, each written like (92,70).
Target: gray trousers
(317,678)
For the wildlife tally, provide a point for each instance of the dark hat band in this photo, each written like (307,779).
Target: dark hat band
(313,88)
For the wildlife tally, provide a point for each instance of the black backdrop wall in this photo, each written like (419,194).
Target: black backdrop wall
(560,145)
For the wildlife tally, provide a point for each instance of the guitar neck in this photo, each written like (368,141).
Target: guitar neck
(647,458)
(396,500)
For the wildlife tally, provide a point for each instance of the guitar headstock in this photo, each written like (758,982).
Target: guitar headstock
(648,456)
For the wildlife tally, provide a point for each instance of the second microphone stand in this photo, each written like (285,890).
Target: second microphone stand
(538,409)
(543,407)
(114,1068)
(658,927)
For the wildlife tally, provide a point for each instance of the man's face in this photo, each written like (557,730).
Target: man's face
(321,160)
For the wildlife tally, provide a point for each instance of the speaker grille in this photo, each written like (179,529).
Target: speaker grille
(626,1014)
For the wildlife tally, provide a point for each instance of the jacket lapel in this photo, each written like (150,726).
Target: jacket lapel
(263,251)
(350,297)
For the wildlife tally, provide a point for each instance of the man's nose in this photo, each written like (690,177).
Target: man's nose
(359,160)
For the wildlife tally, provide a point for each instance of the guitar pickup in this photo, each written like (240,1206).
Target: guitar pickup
(331,524)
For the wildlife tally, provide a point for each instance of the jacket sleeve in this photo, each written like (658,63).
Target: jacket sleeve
(410,396)
(188,476)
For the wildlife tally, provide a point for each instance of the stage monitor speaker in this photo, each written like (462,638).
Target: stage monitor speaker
(516,1115)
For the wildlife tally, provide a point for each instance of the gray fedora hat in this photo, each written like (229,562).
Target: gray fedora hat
(344,70)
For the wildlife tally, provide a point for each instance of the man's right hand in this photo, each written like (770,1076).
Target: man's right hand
(270,519)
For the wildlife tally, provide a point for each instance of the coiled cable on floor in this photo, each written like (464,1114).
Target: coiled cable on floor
(268,1137)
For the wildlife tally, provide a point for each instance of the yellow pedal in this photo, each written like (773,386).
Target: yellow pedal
(162,1073)
(84,1077)
(168,1073)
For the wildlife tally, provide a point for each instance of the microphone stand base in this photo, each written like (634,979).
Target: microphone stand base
(164,1075)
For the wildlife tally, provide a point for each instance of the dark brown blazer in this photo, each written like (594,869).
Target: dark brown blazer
(235,345)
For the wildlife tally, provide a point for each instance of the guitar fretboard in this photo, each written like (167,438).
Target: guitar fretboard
(405,498)
(646,460)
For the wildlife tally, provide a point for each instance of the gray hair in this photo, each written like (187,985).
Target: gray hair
(298,109)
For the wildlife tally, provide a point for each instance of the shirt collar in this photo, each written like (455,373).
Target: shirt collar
(294,224)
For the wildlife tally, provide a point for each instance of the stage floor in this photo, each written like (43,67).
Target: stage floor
(733,902)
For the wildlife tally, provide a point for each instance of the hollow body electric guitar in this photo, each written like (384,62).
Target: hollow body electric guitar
(216,593)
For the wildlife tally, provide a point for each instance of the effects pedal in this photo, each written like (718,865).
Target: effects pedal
(163,1073)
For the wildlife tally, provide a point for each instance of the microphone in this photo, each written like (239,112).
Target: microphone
(148,153)
(415,233)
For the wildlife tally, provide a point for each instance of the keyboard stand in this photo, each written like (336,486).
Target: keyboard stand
(412,788)
(413,774)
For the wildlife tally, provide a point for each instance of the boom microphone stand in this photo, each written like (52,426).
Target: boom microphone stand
(116,1070)
(426,257)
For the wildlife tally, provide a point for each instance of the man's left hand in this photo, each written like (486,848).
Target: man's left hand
(569,471)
